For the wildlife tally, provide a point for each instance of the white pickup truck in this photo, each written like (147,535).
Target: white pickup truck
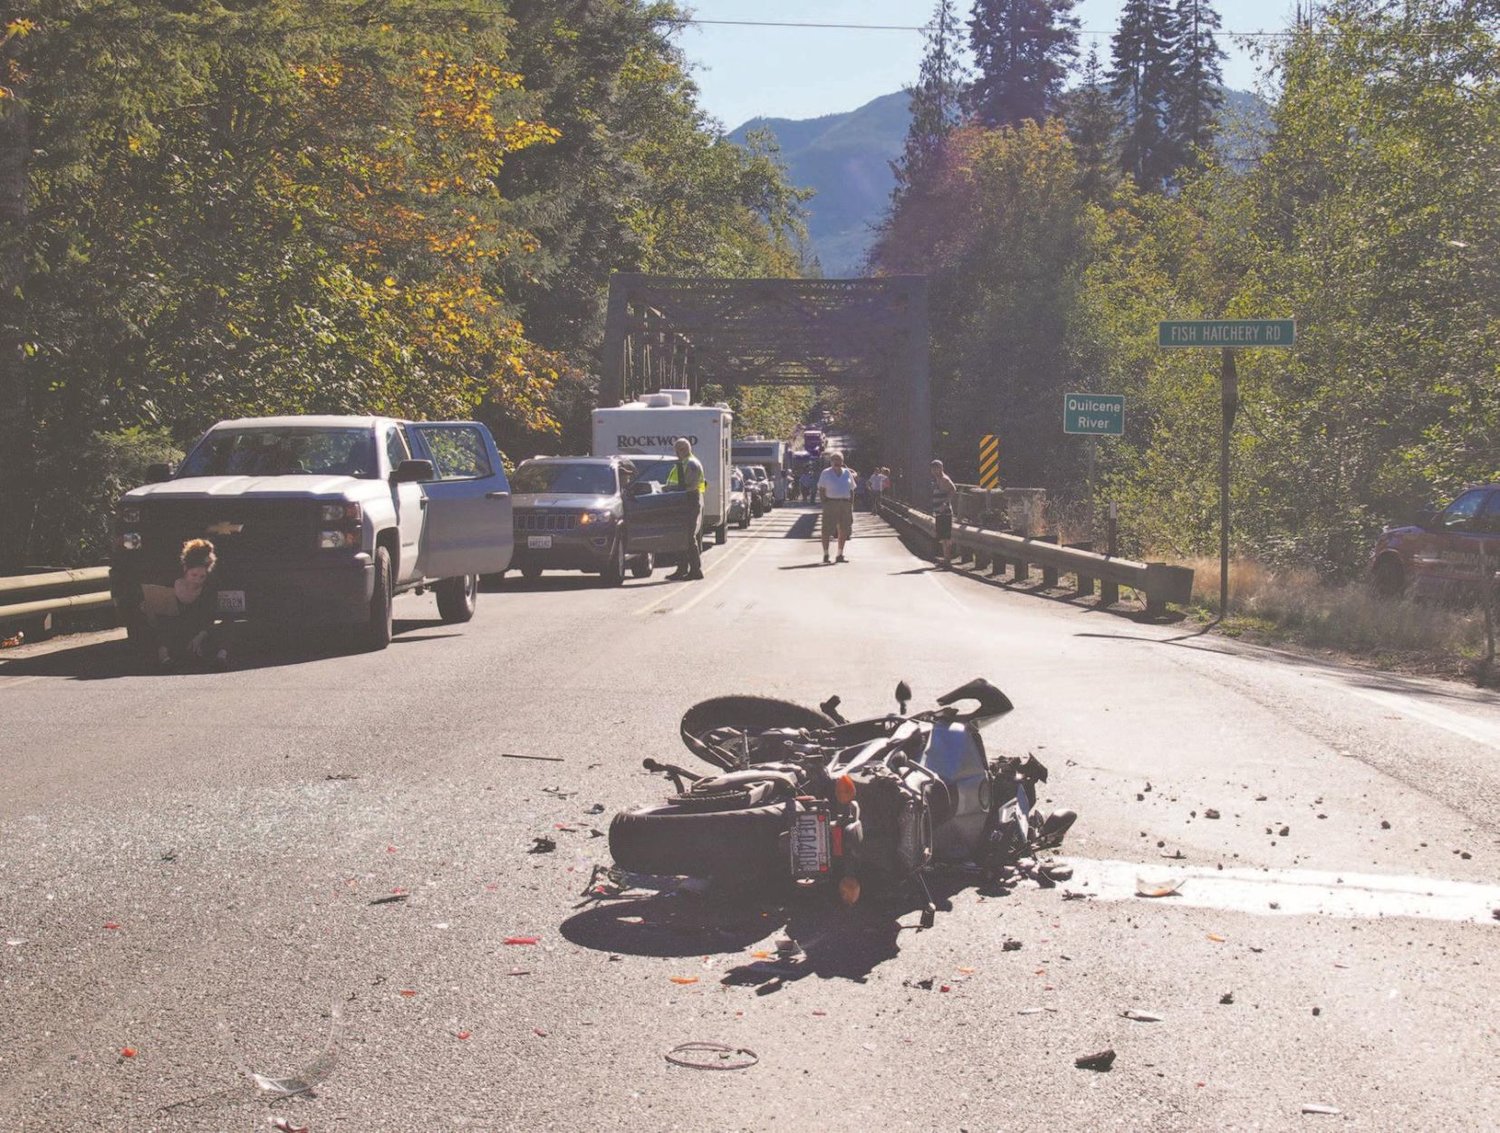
(323,520)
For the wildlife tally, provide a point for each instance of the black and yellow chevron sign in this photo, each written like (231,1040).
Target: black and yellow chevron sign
(989,461)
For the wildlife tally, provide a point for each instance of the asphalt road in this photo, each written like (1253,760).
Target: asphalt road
(189,866)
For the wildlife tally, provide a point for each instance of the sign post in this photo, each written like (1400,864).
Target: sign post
(1093,415)
(1228,335)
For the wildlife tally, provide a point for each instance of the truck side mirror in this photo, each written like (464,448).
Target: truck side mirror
(413,472)
(156,473)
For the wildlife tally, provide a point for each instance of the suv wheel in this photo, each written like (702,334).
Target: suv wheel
(457,597)
(641,566)
(613,573)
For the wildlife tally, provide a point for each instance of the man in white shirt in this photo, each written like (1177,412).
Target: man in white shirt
(836,491)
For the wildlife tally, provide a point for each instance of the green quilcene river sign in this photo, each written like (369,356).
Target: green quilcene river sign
(1227,332)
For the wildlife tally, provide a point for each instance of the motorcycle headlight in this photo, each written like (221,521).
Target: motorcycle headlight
(130,541)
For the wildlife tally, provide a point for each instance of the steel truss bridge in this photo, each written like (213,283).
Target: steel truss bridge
(679,332)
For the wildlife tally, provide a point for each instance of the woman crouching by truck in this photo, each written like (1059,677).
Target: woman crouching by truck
(178,623)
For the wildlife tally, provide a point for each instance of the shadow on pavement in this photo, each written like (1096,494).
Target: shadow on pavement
(835,941)
(806,566)
(249,649)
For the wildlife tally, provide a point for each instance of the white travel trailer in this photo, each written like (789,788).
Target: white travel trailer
(650,425)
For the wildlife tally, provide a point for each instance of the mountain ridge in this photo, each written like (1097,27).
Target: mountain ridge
(846,159)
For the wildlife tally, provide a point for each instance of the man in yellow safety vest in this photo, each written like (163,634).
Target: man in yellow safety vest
(687,476)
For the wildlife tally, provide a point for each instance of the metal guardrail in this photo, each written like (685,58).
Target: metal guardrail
(24,597)
(997,551)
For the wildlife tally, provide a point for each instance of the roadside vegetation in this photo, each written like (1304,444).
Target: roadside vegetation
(1297,607)
(1058,227)
(407,207)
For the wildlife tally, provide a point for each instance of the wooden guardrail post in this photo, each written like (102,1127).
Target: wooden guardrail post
(1085,585)
(1049,570)
(1109,592)
(1166,583)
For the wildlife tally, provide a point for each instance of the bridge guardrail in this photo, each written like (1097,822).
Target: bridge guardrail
(24,597)
(997,550)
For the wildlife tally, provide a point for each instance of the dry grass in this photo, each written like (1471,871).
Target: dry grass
(1297,608)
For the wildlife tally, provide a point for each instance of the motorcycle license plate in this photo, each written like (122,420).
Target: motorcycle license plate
(539,542)
(810,854)
(231,601)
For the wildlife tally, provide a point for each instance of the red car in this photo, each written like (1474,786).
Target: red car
(1439,556)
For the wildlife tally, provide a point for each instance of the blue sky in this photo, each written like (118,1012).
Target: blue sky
(803,73)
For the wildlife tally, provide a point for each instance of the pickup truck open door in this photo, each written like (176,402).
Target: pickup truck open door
(467,529)
(657,522)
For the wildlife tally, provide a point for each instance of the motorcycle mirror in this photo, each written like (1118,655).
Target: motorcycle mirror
(903,695)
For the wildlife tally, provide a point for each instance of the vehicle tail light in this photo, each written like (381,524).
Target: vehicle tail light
(844,790)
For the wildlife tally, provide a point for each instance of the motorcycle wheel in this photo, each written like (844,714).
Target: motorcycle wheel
(734,845)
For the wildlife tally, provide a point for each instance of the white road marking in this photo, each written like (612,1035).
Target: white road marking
(1292,892)
(11,682)
(1460,724)
(943,590)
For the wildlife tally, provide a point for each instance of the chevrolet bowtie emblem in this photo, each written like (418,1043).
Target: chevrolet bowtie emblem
(224,527)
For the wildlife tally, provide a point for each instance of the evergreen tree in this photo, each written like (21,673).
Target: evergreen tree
(1196,91)
(1093,127)
(935,101)
(1140,77)
(1022,49)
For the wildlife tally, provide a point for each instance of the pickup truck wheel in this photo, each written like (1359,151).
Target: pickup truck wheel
(613,573)
(457,597)
(1389,578)
(641,566)
(375,634)
(721,534)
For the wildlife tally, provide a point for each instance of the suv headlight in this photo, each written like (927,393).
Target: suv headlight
(596,518)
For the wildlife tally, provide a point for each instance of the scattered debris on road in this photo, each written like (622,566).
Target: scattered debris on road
(521,939)
(712,1056)
(1164,887)
(390,900)
(282,1125)
(1099,1061)
(1010,946)
(540,758)
(1140,1016)
(542,845)
(1314,1107)
(312,1075)
(1210,813)
(1227,999)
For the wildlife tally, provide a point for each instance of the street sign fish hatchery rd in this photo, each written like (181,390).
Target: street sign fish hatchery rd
(1094,414)
(1227,332)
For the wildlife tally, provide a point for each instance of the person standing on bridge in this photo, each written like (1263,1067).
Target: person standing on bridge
(943,491)
(687,476)
(836,491)
(878,483)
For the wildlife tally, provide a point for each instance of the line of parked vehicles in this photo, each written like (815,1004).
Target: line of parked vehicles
(320,521)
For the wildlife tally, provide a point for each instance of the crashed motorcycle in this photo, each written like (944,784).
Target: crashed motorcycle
(809,798)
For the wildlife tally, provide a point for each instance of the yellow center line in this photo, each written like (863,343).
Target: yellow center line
(720,578)
(715,580)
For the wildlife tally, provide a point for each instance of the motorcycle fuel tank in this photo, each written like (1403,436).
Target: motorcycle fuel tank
(955,754)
